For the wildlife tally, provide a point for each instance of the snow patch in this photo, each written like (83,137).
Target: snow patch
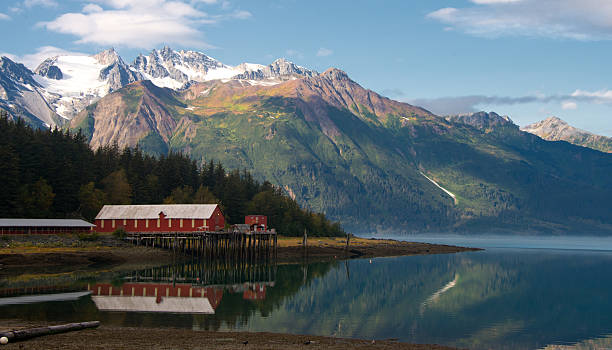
(80,77)
(442,188)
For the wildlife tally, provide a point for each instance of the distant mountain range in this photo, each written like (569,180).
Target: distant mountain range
(375,164)
(62,86)
(555,129)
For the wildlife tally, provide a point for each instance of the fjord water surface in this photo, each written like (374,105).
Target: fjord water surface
(519,296)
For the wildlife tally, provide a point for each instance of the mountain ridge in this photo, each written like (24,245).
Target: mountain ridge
(556,129)
(68,83)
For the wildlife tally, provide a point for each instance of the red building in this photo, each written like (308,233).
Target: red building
(257,222)
(160,218)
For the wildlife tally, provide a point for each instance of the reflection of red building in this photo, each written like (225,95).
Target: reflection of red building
(256,222)
(156,297)
(160,218)
(256,292)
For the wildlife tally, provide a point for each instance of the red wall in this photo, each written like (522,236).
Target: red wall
(256,220)
(215,223)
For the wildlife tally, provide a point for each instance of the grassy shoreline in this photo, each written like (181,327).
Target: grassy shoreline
(46,251)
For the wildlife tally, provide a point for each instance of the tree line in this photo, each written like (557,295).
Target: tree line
(55,174)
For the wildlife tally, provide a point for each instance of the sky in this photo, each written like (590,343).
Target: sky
(528,59)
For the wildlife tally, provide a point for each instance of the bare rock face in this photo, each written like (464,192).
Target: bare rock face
(107,57)
(116,71)
(482,120)
(336,88)
(281,68)
(126,117)
(23,97)
(48,69)
(173,64)
(555,129)
(119,75)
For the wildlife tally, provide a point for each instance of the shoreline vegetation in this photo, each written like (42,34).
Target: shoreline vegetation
(23,254)
(19,252)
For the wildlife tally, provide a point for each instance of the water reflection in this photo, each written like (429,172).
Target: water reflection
(502,299)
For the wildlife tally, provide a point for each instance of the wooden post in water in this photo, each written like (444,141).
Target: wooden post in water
(305,242)
(348,239)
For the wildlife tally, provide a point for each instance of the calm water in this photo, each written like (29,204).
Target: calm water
(518,294)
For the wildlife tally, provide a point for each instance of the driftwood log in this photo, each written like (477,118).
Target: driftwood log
(23,334)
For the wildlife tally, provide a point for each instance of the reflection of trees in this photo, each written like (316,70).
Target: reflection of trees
(281,282)
(236,311)
(508,300)
(501,300)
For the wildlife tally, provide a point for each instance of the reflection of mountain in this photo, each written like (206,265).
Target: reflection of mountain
(512,299)
(603,343)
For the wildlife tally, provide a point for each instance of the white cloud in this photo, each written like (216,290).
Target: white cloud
(601,96)
(323,52)
(139,23)
(568,105)
(4,16)
(44,3)
(242,15)
(573,19)
(474,103)
(92,8)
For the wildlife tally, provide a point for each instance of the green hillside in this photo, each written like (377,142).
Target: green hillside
(365,160)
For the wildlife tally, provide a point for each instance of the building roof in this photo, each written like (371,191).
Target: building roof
(44,223)
(172,211)
(242,227)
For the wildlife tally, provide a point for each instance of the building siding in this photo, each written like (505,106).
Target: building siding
(163,224)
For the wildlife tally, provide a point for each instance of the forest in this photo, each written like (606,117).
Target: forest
(55,174)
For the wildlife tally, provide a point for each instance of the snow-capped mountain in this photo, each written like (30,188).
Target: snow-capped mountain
(22,96)
(281,68)
(64,85)
(175,69)
(72,82)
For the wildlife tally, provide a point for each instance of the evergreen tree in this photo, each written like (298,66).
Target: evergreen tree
(117,188)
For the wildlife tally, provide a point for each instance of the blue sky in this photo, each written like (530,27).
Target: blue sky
(529,59)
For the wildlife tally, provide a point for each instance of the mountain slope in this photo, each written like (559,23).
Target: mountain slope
(373,163)
(555,129)
(23,97)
